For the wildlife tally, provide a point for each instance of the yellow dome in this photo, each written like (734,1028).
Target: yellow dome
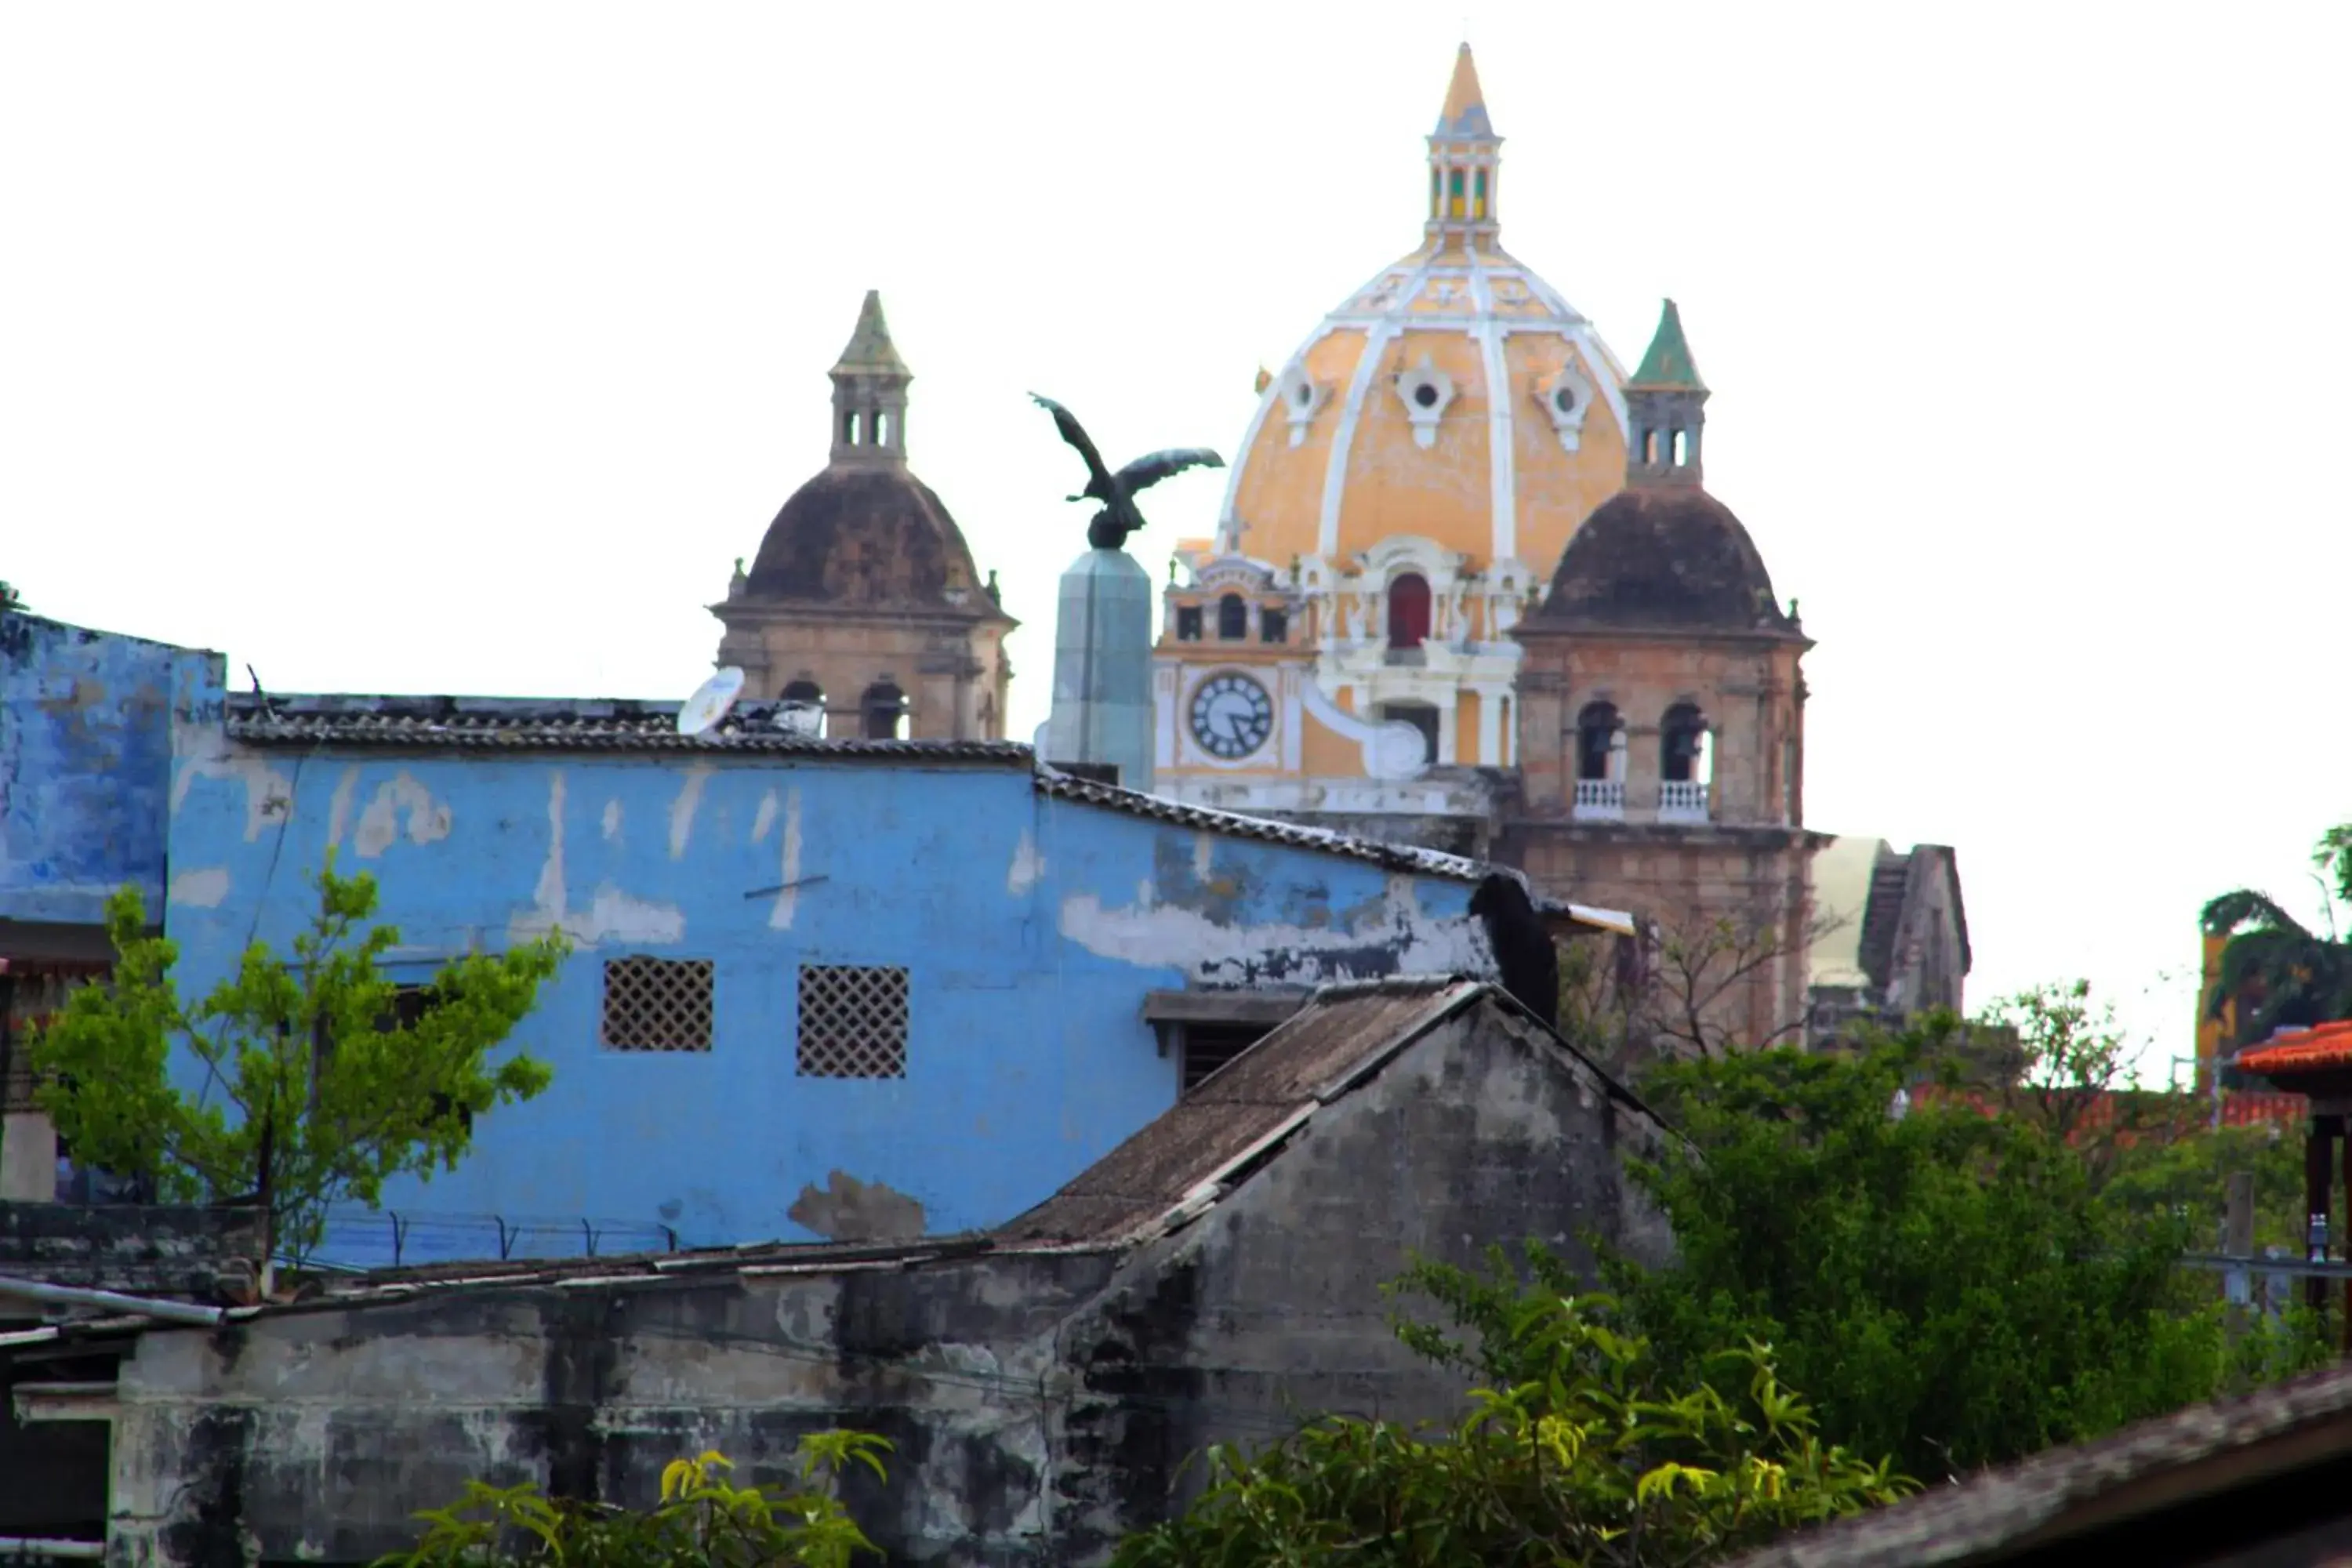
(1455,397)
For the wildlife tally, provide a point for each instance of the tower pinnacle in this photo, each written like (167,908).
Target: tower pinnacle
(1465,154)
(870,394)
(1665,404)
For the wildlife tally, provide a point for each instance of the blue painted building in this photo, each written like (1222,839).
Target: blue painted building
(840,988)
(87,726)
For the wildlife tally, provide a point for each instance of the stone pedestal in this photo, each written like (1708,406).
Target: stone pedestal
(1102,709)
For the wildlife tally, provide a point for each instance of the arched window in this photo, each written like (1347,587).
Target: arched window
(1478,195)
(1685,754)
(803,691)
(1682,449)
(885,708)
(1408,610)
(881,429)
(1233,618)
(1596,741)
(850,429)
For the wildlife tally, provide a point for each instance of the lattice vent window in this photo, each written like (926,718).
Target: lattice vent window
(852,1021)
(658,1004)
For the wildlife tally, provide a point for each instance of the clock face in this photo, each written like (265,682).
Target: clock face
(1231,716)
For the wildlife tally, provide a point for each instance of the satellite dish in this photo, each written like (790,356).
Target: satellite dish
(1398,751)
(711,701)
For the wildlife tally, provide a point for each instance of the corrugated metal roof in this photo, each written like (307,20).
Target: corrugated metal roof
(1183,1161)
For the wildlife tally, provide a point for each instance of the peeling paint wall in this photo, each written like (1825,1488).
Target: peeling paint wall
(319,1434)
(87,719)
(1029,927)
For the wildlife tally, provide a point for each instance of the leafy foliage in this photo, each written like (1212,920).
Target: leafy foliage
(312,1091)
(10,599)
(2278,971)
(1949,1285)
(701,1520)
(1577,1451)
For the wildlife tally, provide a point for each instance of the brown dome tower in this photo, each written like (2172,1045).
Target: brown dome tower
(863,598)
(1661,721)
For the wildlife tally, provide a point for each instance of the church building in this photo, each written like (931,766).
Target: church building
(863,604)
(1468,590)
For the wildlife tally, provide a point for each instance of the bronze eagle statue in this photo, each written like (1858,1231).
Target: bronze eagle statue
(1118,518)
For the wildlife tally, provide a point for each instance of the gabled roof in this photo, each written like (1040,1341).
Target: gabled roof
(2068,1494)
(1219,1132)
(1179,1163)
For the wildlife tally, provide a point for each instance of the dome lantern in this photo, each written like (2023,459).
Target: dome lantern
(1464,161)
(870,394)
(1667,405)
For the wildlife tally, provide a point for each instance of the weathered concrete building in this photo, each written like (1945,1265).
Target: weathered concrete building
(848,989)
(86,721)
(1212,1276)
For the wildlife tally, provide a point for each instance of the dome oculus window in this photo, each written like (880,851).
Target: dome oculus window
(1425,391)
(1565,397)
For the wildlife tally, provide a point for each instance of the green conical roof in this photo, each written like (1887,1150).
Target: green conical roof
(1669,364)
(870,351)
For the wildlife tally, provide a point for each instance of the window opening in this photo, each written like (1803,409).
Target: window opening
(658,1004)
(1273,624)
(805,691)
(1686,756)
(1208,1047)
(1408,610)
(1232,617)
(850,429)
(852,1021)
(1596,740)
(1188,623)
(1682,447)
(885,708)
(881,429)
(1479,196)
(1424,396)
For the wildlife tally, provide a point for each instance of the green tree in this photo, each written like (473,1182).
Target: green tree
(1943,1281)
(1577,1451)
(311,1089)
(2277,970)
(701,1521)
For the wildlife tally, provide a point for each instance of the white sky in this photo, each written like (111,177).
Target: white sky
(446,347)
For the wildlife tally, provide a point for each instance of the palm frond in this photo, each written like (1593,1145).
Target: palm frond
(2226,915)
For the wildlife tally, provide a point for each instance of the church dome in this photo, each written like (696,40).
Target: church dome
(1663,557)
(865,537)
(1455,396)
(866,534)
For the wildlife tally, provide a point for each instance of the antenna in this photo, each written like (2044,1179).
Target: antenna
(711,701)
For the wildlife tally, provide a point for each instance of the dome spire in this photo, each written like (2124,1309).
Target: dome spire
(1464,155)
(1668,364)
(870,394)
(1666,404)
